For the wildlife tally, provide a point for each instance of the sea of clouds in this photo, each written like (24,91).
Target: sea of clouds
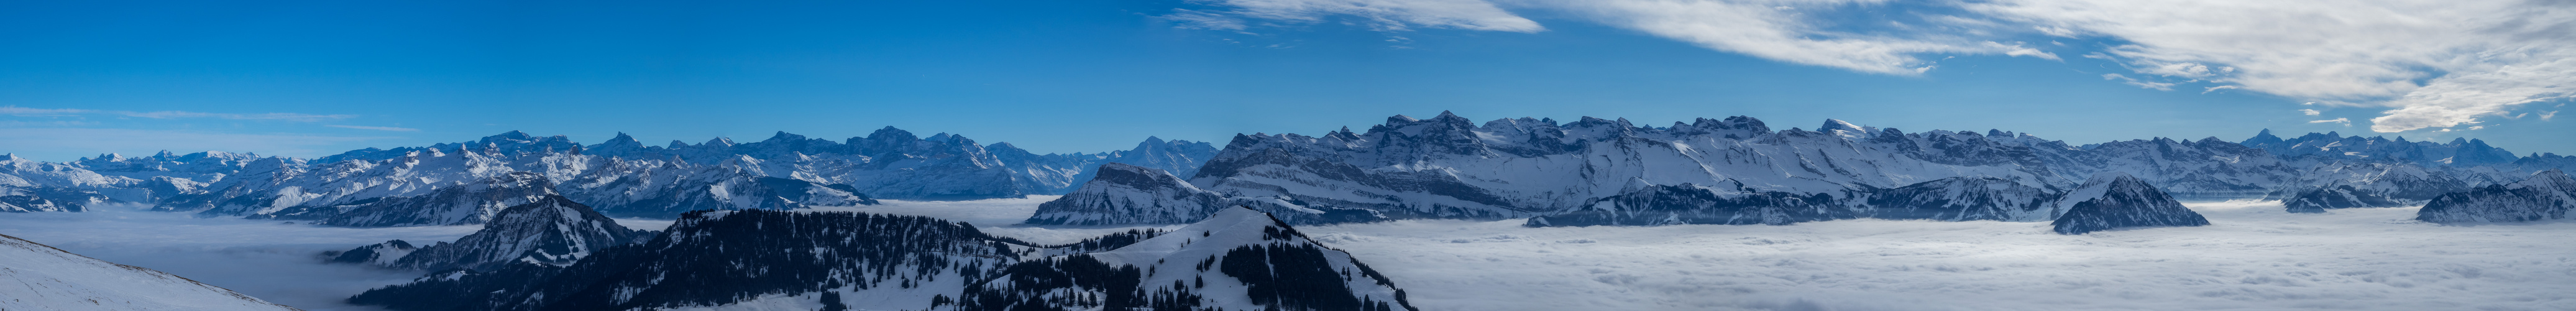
(2254,256)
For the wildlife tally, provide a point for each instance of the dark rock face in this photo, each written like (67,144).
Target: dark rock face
(857,261)
(1693,204)
(1124,194)
(2546,195)
(551,231)
(2338,197)
(374,254)
(1963,199)
(2117,201)
(723,257)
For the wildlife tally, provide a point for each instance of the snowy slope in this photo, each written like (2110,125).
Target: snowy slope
(46,278)
(550,231)
(2544,196)
(1128,195)
(2118,201)
(737,260)
(1236,259)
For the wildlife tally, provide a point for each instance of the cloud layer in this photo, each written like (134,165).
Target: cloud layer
(2434,64)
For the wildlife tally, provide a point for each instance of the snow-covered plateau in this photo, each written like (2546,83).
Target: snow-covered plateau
(2253,255)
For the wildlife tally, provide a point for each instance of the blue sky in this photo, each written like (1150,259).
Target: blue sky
(80,78)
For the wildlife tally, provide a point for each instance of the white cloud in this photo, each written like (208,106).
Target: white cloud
(2434,63)
(2475,58)
(1781,30)
(1391,15)
(2310,111)
(24,111)
(1191,19)
(2216,88)
(2345,121)
(2160,86)
(2545,115)
(379,128)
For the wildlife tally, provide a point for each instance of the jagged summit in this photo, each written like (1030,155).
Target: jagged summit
(2463,152)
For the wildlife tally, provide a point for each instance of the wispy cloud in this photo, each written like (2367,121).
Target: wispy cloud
(2438,64)
(379,128)
(2311,111)
(278,116)
(2345,121)
(1388,15)
(24,111)
(2160,86)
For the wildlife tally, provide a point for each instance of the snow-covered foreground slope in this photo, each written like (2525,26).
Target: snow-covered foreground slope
(38,277)
(267,259)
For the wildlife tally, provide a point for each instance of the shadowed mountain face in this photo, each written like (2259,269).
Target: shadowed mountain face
(2111,202)
(756,259)
(550,231)
(1130,195)
(2545,196)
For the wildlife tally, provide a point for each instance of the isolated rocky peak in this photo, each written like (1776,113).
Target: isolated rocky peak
(552,231)
(2115,201)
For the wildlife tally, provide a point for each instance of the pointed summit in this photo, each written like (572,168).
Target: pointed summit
(783,136)
(2115,200)
(551,231)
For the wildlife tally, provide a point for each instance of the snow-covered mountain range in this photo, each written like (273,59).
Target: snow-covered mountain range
(467,182)
(1237,259)
(1704,171)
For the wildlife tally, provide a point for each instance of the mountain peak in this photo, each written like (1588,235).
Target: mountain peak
(783,136)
